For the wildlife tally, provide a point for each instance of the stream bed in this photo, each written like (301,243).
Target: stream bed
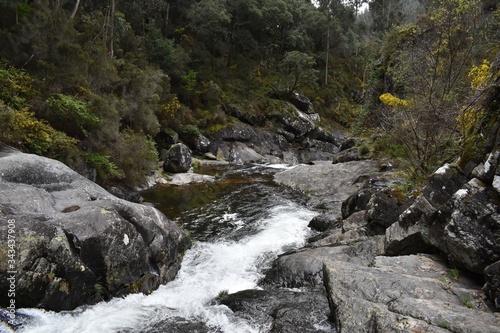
(238,224)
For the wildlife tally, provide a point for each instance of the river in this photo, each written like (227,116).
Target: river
(238,224)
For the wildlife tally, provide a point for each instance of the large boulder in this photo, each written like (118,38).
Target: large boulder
(314,150)
(468,230)
(295,121)
(410,234)
(381,211)
(302,103)
(76,243)
(327,185)
(459,218)
(241,143)
(198,143)
(405,294)
(178,159)
(351,154)
(239,153)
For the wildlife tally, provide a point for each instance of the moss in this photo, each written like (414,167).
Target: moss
(214,128)
(64,287)
(472,150)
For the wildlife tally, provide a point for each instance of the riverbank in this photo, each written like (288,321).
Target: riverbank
(391,266)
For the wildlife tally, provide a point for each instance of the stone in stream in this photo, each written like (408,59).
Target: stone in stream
(76,243)
(178,159)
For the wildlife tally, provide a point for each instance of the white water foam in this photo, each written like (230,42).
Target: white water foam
(207,269)
(279,166)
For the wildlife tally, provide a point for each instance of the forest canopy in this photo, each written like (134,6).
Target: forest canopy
(92,83)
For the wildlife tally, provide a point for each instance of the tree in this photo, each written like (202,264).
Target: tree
(430,68)
(339,19)
(385,13)
(209,21)
(277,21)
(161,51)
(297,71)
(246,18)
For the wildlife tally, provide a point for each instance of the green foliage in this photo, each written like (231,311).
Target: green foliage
(455,274)
(297,71)
(141,94)
(23,130)
(222,294)
(191,130)
(99,288)
(106,83)
(135,155)
(429,64)
(442,279)
(467,300)
(71,115)
(15,86)
(161,51)
(105,168)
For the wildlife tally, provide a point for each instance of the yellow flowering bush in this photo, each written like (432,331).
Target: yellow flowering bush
(23,130)
(393,101)
(479,74)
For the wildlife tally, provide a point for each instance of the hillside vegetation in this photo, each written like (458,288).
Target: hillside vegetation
(92,83)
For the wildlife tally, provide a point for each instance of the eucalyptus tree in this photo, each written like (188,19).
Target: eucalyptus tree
(386,13)
(339,20)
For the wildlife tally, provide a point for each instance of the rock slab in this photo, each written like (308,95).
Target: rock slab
(405,294)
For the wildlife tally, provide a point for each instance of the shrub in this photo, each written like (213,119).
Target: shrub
(105,168)
(135,154)
(23,130)
(393,101)
(15,86)
(191,130)
(71,115)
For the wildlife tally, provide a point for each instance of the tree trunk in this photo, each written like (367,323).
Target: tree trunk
(167,18)
(112,29)
(327,49)
(75,9)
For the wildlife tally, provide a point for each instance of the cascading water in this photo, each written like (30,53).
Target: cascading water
(250,236)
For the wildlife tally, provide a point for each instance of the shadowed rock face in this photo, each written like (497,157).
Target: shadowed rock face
(76,243)
(282,310)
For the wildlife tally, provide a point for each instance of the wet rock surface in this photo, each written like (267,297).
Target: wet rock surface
(283,311)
